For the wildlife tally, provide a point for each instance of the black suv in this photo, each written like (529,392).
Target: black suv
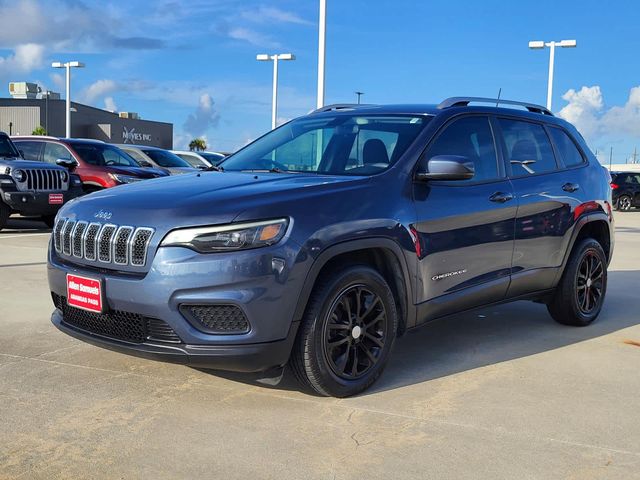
(322,241)
(31,188)
(626,190)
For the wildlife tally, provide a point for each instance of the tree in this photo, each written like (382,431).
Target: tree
(39,130)
(197,144)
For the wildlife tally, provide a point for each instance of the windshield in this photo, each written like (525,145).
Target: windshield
(103,155)
(193,160)
(7,150)
(335,145)
(213,158)
(166,159)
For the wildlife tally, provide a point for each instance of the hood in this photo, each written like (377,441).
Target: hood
(19,163)
(204,198)
(142,172)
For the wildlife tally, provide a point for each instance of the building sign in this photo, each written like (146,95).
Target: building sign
(131,136)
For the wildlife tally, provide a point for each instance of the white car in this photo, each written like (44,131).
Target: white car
(202,160)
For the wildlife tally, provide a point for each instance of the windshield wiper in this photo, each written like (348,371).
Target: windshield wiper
(269,170)
(214,168)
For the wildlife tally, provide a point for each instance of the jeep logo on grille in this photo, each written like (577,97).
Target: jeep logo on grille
(103,215)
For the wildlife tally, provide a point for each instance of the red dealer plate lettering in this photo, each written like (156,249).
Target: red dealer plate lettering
(84,293)
(56,199)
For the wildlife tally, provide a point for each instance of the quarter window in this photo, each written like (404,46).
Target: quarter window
(569,153)
(528,147)
(471,138)
(54,151)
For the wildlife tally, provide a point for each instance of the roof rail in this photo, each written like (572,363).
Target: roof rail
(337,106)
(464,101)
(49,137)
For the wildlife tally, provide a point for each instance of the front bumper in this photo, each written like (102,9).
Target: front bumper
(177,277)
(237,358)
(37,203)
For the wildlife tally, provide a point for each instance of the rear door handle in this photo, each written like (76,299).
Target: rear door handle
(501,197)
(570,187)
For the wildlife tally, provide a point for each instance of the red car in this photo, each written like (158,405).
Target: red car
(99,165)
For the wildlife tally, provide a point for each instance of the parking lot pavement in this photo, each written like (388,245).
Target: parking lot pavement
(502,392)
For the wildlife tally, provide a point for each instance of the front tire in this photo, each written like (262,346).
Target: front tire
(347,332)
(580,294)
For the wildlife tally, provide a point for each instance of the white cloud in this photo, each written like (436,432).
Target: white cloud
(254,38)
(58,80)
(272,14)
(97,89)
(110,104)
(203,118)
(70,25)
(583,109)
(25,59)
(586,110)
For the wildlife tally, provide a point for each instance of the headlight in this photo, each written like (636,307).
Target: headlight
(224,238)
(124,178)
(19,175)
(65,176)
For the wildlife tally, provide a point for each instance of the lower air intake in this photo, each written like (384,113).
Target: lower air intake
(217,319)
(116,324)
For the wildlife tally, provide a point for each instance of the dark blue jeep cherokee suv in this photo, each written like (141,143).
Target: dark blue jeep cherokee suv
(322,241)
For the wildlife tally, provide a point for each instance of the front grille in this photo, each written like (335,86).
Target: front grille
(116,324)
(107,243)
(45,180)
(219,319)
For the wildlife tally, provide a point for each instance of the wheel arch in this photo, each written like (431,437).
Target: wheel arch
(596,226)
(382,254)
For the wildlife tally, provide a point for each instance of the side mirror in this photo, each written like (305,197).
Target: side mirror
(68,163)
(446,167)
(145,164)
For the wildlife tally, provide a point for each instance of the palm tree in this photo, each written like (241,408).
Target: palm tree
(198,144)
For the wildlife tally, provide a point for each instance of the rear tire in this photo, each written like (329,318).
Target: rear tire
(624,203)
(580,294)
(347,332)
(5,212)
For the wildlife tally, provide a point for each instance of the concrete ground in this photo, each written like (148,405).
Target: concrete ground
(499,393)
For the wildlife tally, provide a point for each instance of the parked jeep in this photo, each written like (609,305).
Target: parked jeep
(31,188)
(327,238)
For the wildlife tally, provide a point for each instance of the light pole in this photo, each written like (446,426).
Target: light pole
(322,33)
(538,44)
(67,66)
(359,94)
(263,57)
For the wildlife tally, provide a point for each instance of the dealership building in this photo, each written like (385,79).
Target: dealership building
(27,109)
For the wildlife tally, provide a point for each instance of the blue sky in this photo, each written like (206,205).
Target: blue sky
(193,63)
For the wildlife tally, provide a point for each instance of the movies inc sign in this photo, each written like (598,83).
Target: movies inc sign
(131,136)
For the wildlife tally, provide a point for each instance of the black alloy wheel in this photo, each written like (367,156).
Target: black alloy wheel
(589,284)
(355,332)
(347,332)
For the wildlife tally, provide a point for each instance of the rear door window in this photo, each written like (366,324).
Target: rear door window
(54,151)
(528,148)
(566,148)
(30,150)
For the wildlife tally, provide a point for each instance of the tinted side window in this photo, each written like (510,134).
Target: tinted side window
(54,151)
(528,147)
(30,150)
(569,153)
(469,137)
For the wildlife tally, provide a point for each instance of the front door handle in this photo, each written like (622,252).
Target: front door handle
(501,197)
(570,187)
